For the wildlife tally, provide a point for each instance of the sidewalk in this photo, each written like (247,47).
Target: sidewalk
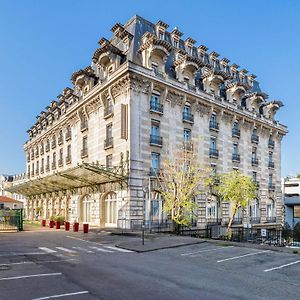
(159,242)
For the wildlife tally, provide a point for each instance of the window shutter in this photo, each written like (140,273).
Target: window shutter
(124,121)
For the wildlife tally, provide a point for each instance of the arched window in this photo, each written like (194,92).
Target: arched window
(111,209)
(86,209)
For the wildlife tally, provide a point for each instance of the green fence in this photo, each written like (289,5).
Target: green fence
(11,220)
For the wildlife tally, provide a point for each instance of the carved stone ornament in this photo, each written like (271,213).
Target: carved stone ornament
(247,125)
(202,109)
(93,105)
(228,118)
(74,118)
(139,85)
(121,86)
(175,99)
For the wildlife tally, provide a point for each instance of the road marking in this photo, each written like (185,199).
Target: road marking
(83,249)
(23,254)
(66,250)
(61,295)
(207,250)
(101,250)
(48,250)
(283,266)
(241,256)
(36,262)
(117,249)
(29,276)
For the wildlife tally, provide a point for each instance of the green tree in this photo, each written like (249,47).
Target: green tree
(180,181)
(237,189)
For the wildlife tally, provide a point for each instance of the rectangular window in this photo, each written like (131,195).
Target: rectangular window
(124,121)
(155,160)
(254,176)
(270,179)
(187,135)
(154,101)
(61,154)
(155,128)
(69,151)
(235,149)
(109,131)
(213,143)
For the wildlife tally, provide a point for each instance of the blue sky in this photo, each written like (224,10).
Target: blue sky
(43,42)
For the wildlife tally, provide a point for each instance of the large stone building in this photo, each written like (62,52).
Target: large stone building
(92,153)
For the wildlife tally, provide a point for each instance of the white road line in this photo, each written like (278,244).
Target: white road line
(206,250)
(117,249)
(61,295)
(100,249)
(283,266)
(29,276)
(48,250)
(241,256)
(83,249)
(36,262)
(23,254)
(66,250)
(82,240)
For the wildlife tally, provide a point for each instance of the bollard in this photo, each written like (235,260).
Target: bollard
(43,223)
(51,224)
(67,226)
(75,227)
(57,224)
(85,228)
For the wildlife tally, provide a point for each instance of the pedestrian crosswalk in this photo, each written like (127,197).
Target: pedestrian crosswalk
(87,250)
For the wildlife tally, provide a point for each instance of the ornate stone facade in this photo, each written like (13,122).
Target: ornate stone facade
(146,93)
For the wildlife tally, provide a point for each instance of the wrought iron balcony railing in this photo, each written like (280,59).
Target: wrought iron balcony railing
(271,143)
(187,117)
(236,132)
(156,107)
(254,161)
(108,111)
(154,172)
(270,219)
(84,152)
(213,125)
(213,152)
(254,138)
(156,140)
(108,143)
(236,157)
(254,220)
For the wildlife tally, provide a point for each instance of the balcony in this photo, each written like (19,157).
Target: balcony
(188,117)
(254,138)
(213,221)
(237,220)
(156,140)
(60,162)
(271,144)
(47,167)
(270,219)
(271,187)
(68,135)
(254,161)
(188,146)
(236,132)
(53,165)
(271,164)
(84,153)
(84,125)
(154,172)
(108,143)
(60,140)
(213,153)
(108,112)
(254,220)
(213,125)
(68,159)
(236,157)
(156,108)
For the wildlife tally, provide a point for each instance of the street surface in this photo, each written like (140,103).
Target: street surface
(66,265)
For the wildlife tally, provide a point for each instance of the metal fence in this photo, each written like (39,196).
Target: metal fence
(11,219)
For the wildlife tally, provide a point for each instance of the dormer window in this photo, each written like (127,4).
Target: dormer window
(175,43)
(161,35)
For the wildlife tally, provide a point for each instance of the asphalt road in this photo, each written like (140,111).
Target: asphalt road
(56,264)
